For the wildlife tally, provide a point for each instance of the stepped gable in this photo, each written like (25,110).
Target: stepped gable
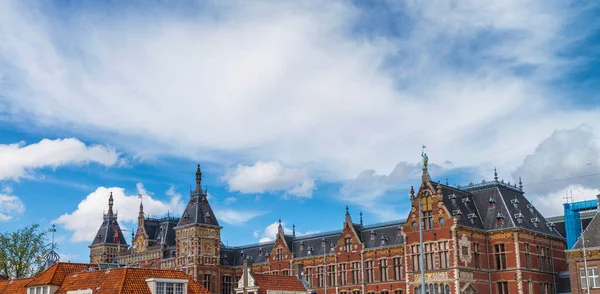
(109,229)
(198,210)
(18,286)
(55,275)
(124,280)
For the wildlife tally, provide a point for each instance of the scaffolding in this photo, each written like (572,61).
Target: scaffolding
(573,219)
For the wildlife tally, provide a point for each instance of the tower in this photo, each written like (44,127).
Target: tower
(109,242)
(198,238)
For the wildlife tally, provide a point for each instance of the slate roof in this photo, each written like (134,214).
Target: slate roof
(106,232)
(160,230)
(197,209)
(14,286)
(56,274)
(124,281)
(278,283)
(591,234)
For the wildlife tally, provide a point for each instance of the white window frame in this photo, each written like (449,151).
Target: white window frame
(153,283)
(592,277)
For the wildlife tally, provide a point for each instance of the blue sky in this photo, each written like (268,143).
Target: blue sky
(294,109)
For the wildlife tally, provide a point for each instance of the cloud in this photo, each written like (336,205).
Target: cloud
(229,200)
(551,204)
(18,160)
(86,219)
(269,233)
(269,177)
(10,206)
(235,217)
(329,85)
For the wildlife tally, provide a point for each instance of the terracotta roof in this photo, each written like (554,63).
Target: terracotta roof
(280,283)
(14,286)
(124,281)
(57,272)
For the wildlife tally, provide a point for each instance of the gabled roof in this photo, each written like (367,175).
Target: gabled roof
(14,286)
(591,234)
(278,283)
(57,273)
(124,281)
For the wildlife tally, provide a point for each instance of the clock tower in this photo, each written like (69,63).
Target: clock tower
(198,237)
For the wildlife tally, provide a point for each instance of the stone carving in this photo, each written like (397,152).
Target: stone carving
(432,277)
(466,275)
(464,249)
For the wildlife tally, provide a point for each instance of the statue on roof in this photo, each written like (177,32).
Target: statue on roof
(425,158)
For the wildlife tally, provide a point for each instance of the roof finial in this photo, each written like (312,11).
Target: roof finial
(495,175)
(110,204)
(347,211)
(198,178)
(412,192)
(361,222)
(280,222)
(447,182)
(520,184)
(294,230)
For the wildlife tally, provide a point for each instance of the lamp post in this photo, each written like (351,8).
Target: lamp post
(421,258)
(324,245)
(587,279)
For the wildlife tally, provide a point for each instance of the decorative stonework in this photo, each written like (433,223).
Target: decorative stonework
(466,275)
(464,249)
(432,277)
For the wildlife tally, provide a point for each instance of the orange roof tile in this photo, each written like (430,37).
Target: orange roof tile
(123,281)
(281,283)
(14,286)
(57,272)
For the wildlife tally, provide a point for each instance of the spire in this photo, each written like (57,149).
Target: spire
(52,257)
(110,204)
(294,230)
(198,179)
(361,222)
(141,215)
(280,232)
(495,175)
(520,184)
(347,211)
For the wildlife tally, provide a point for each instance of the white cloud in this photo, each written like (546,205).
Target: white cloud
(269,233)
(10,206)
(235,217)
(18,160)
(86,219)
(229,200)
(269,177)
(551,204)
(304,86)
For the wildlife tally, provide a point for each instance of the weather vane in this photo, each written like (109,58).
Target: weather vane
(52,230)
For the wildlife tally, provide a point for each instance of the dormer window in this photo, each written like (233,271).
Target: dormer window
(373,235)
(309,250)
(530,207)
(492,202)
(399,229)
(242,253)
(224,257)
(500,217)
(515,202)
(260,251)
(186,218)
(457,213)
(207,218)
(384,240)
(332,247)
(170,286)
(452,196)
(39,289)
(472,217)
(535,221)
(301,245)
(466,201)
(519,217)
(550,226)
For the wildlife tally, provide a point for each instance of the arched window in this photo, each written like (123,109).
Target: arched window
(442,289)
(447,289)
(427,208)
(435,288)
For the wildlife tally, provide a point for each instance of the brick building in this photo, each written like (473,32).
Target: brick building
(591,238)
(480,238)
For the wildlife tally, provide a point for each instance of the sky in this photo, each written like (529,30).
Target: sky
(294,109)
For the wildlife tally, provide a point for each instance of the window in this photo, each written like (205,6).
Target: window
(429,262)
(308,272)
(355,272)
(427,220)
(206,282)
(348,244)
(343,274)
(285,272)
(331,275)
(500,256)
(279,254)
(227,284)
(444,254)
(476,255)
(356,292)
(502,287)
(169,288)
(398,292)
(383,270)
(592,276)
(320,276)
(370,271)
(414,250)
(397,263)
(527,256)
(544,258)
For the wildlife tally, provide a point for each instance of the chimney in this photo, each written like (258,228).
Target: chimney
(247,271)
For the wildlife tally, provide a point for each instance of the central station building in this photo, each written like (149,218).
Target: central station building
(480,238)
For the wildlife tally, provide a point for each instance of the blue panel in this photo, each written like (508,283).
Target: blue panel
(573,219)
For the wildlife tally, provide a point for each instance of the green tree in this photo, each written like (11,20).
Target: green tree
(22,252)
